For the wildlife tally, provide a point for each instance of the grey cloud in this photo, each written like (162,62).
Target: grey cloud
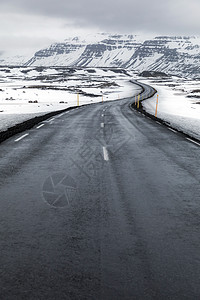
(35,24)
(167,17)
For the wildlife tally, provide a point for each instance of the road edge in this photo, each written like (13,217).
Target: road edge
(30,123)
(141,109)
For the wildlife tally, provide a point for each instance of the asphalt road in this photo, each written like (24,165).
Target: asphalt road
(100,203)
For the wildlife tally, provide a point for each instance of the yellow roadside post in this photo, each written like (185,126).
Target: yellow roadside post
(156,107)
(78,99)
(138,103)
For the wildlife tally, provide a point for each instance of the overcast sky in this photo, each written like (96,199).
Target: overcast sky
(34,24)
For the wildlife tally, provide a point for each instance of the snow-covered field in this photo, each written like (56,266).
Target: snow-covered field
(27,92)
(178,104)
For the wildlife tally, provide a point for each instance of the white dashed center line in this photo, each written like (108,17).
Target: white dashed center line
(102,125)
(105,154)
(21,137)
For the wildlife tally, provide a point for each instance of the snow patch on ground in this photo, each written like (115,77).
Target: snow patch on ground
(27,92)
(178,104)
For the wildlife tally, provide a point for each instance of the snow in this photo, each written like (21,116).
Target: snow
(107,50)
(12,58)
(55,89)
(8,121)
(59,60)
(94,38)
(27,92)
(174,106)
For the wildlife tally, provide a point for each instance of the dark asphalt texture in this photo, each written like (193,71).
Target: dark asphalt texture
(100,203)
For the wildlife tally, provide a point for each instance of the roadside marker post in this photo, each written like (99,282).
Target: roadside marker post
(138,103)
(156,107)
(78,99)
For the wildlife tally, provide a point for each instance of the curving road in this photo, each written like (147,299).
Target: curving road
(100,203)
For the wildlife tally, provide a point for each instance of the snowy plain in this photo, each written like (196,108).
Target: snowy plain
(30,91)
(27,92)
(178,102)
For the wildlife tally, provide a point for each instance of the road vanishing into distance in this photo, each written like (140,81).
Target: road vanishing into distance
(100,202)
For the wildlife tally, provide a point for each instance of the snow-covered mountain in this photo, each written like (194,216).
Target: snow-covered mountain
(13,58)
(172,55)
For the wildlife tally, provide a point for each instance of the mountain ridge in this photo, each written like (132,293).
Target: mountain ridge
(175,55)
